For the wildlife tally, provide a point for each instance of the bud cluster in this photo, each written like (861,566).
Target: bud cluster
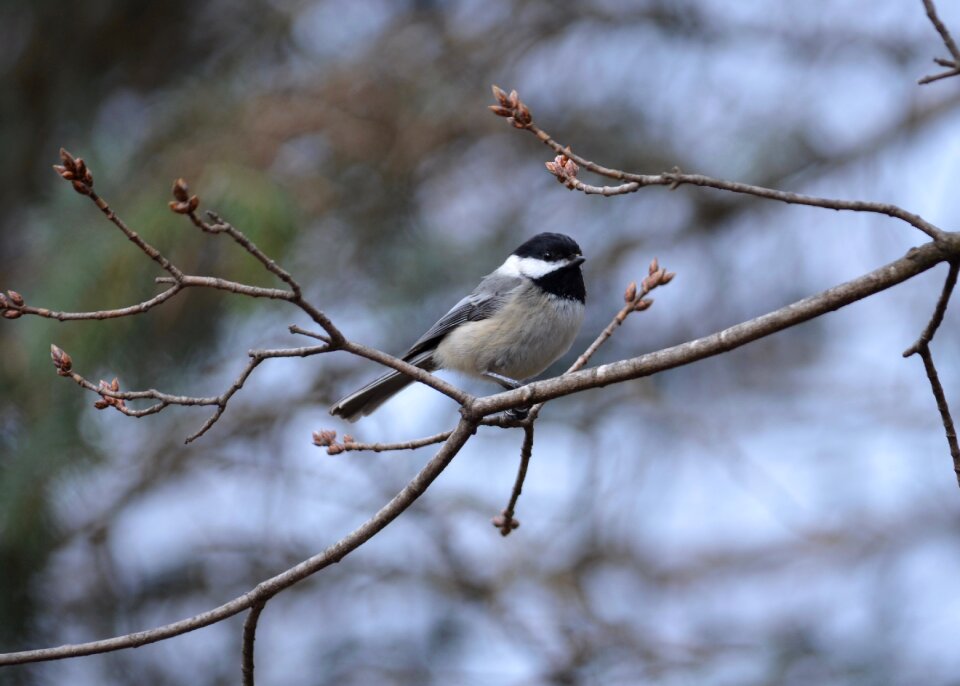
(11,305)
(656,276)
(108,401)
(328,439)
(565,169)
(61,361)
(506,523)
(517,114)
(74,170)
(184,203)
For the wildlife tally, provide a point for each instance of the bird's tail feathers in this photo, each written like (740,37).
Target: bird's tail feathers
(364,401)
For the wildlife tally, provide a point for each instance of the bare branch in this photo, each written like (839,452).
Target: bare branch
(271,587)
(937,77)
(937,317)
(221,226)
(327,439)
(942,30)
(424,377)
(915,262)
(942,406)
(506,522)
(75,170)
(922,347)
(249,636)
(634,301)
(139,308)
(519,115)
(953,65)
(112,396)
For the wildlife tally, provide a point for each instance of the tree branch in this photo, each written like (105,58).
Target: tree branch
(937,317)
(249,636)
(915,262)
(274,585)
(953,66)
(520,117)
(922,347)
(327,439)
(506,522)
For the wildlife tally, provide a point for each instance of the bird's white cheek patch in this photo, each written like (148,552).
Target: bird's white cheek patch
(530,267)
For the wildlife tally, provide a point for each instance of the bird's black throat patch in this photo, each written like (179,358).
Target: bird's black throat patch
(566,282)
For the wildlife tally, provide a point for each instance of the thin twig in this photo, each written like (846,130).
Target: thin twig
(916,261)
(937,77)
(942,406)
(108,392)
(218,225)
(937,317)
(139,308)
(132,235)
(326,439)
(506,522)
(519,115)
(634,301)
(249,637)
(922,347)
(942,30)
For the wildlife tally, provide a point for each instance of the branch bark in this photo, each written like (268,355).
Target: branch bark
(915,262)
(274,585)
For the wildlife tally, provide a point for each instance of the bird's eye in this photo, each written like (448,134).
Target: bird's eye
(548,255)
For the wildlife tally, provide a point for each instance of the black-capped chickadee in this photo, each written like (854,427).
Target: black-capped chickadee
(517,322)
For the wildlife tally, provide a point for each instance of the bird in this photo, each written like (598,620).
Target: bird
(520,319)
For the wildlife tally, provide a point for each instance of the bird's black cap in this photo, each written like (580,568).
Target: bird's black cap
(550,247)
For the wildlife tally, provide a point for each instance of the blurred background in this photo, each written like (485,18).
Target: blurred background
(785,514)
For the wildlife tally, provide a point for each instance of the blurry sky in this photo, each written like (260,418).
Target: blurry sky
(784,514)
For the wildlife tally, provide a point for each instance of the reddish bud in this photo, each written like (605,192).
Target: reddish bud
(667,277)
(335,449)
(514,99)
(61,361)
(523,114)
(75,170)
(347,438)
(101,404)
(500,95)
(631,292)
(654,266)
(16,298)
(180,190)
(324,438)
(193,203)
(11,314)
(500,111)
(643,305)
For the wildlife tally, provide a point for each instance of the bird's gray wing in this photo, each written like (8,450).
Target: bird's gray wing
(483,303)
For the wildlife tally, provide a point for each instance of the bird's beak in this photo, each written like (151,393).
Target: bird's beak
(577,261)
